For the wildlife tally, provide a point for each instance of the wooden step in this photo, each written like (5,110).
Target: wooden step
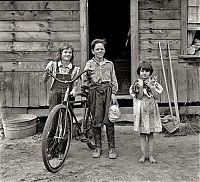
(127,114)
(126,111)
(126,117)
(124,97)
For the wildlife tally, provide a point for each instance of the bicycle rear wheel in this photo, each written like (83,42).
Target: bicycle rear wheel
(56,138)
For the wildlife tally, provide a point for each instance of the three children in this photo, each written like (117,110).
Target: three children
(145,92)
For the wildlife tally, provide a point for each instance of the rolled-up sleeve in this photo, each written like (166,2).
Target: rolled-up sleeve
(85,75)
(158,88)
(49,66)
(75,74)
(132,93)
(114,81)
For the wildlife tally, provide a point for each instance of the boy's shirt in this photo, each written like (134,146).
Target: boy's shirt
(102,73)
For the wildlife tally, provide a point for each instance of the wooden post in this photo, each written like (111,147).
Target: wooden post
(184,17)
(2,101)
(134,38)
(84,31)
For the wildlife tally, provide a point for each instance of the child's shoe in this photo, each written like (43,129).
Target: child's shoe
(112,153)
(84,138)
(97,152)
(142,159)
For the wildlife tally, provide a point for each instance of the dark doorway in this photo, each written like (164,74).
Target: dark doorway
(110,20)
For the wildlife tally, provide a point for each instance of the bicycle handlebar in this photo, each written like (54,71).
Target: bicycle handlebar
(65,81)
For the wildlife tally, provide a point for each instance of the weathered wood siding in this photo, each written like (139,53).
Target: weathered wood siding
(30,33)
(160,21)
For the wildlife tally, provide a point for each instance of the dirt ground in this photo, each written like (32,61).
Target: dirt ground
(178,160)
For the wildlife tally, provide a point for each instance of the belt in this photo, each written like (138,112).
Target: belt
(104,82)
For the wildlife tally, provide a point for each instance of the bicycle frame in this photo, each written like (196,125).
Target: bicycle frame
(66,97)
(69,109)
(73,115)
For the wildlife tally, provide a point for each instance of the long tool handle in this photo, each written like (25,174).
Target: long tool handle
(173,84)
(163,68)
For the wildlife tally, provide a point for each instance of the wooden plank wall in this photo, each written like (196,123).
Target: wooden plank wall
(160,21)
(30,33)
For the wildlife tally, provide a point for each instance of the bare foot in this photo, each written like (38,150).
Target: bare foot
(142,159)
(152,159)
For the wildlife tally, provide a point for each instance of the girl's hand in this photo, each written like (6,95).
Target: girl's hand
(74,92)
(151,83)
(140,82)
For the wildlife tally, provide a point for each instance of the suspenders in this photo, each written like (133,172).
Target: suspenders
(61,86)
(57,68)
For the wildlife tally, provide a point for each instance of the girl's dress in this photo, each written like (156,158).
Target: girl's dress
(145,111)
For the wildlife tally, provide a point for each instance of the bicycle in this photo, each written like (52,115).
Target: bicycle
(57,133)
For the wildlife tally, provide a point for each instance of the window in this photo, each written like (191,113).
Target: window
(193,28)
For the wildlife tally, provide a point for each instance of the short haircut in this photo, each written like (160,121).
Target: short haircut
(96,41)
(145,66)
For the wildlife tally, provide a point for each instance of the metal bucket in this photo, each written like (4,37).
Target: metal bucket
(170,123)
(19,126)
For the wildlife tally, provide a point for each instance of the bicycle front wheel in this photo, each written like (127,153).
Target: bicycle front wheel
(56,138)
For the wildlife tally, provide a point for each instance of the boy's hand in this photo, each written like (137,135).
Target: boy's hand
(114,99)
(85,90)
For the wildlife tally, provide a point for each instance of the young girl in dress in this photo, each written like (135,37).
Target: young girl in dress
(145,92)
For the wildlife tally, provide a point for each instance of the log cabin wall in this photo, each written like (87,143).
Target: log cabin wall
(30,33)
(160,21)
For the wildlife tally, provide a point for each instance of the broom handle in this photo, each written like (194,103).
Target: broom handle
(163,68)
(173,84)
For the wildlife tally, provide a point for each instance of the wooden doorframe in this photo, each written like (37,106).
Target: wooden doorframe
(134,38)
(84,32)
(84,36)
